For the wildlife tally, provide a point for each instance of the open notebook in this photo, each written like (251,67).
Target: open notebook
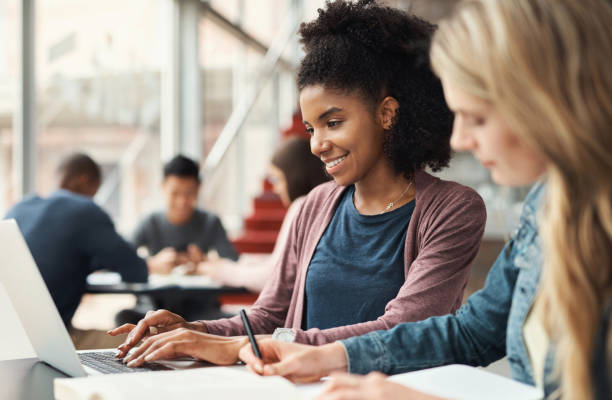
(212,383)
(452,381)
(463,382)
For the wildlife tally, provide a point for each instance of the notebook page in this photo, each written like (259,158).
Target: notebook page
(215,382)
(463,382)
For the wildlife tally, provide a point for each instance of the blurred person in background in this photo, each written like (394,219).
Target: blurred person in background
(294,171)
(182,234)
(70,237)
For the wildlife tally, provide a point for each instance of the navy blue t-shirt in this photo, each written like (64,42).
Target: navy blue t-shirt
(69,237)
(357,267)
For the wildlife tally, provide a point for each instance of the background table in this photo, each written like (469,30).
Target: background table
(191,296)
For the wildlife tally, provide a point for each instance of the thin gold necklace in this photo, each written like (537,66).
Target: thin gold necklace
(391,204)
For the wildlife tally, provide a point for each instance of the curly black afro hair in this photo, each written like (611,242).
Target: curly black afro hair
(378,51)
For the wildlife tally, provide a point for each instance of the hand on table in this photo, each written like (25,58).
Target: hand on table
(190,259)
(195,254)
(168,258)
(373,386)
(154,323)
(183,342)
(164,261)
(214,268)
(296,362)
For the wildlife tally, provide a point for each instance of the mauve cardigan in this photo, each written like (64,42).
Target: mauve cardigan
(443,238)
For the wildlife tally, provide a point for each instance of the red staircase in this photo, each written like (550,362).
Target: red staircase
(259,235)
(262,226)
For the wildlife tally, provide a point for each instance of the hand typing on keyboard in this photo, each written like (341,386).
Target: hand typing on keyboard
(155,322)
(106,362)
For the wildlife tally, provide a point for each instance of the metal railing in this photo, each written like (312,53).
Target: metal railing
(273,59)
(239,115)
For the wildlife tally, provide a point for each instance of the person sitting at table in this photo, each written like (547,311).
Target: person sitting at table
(181,234)
(70,237)
(531,87)
(293,171)
(384,242)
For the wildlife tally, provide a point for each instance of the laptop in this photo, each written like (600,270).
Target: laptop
(41,320)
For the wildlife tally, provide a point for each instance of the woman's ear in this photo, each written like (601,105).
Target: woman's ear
(387,111)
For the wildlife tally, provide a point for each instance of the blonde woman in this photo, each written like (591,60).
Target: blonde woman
(530,83)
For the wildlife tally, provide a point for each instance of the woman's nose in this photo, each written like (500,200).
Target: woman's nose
(319,144)
(461,138)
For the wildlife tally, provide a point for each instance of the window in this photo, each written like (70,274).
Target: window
(9,75)
(98,91)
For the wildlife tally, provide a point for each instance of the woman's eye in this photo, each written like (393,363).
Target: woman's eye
(309,130)
(333,123)
(475,121)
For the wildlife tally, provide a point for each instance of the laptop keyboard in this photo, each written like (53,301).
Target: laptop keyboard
(107,363)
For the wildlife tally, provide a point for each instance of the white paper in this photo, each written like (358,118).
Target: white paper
(463,382)
(214,382)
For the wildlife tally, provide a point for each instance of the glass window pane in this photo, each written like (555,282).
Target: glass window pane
(230,9)
(9,75)
(229,69)
(263,18)
(98,72)
(219,60)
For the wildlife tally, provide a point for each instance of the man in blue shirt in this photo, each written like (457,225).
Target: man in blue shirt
(70,237)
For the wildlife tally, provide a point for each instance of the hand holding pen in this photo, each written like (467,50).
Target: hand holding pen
(296,362)
(249,331)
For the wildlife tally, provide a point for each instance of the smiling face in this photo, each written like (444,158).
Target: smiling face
(480,128)
(181,195)
(344,134)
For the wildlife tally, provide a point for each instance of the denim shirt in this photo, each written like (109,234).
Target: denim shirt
(485,329)
(602,372)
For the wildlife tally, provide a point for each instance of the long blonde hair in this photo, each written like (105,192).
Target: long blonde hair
(545,65)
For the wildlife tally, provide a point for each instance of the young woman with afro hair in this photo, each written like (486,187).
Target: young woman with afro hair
(384,242)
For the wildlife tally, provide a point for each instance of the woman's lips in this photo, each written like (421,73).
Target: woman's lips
(333,166)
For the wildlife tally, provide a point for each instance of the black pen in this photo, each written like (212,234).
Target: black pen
(249,331)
